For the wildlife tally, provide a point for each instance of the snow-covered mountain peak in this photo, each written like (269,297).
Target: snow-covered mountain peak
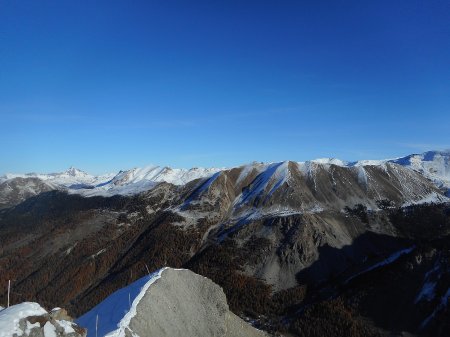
(162,174)
(74,172)
(330,161)
(369,162)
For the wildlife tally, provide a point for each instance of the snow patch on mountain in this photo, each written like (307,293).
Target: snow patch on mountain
(442,304)
(391,258)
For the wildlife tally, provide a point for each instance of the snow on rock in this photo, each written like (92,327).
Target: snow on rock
(266,183)
(246,170)
(49,330)
(30,319)
(10,317)
(169,302)
(435,165)
(116,311)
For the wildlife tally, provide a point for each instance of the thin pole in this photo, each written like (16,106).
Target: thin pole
(129,299)
(146,267)
(9,290)
(96,325)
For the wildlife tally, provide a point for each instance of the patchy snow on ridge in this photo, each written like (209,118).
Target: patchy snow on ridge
(432,198)
(435,165)
(266,183)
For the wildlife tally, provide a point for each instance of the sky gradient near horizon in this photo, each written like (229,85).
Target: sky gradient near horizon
(110,85)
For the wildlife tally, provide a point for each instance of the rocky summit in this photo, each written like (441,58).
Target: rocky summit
(167,303)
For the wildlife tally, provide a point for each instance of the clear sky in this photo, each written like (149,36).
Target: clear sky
(105,85)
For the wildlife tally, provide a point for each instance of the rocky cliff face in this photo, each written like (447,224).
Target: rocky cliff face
(168,303)
(29,319)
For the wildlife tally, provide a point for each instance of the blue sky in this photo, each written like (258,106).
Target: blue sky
(105,85)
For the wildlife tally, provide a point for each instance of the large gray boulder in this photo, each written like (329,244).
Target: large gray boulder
(167,303)
(182,303)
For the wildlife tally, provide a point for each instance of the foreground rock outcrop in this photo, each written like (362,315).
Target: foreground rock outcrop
(170,302)
(29,319)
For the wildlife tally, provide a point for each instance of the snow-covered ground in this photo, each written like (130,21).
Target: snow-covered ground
(14,322)
(10,317)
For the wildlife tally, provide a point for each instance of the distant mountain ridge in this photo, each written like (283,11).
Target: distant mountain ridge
(14,188)
(434,165)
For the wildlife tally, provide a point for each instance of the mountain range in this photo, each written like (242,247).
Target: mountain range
(323,247)
(434,165)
